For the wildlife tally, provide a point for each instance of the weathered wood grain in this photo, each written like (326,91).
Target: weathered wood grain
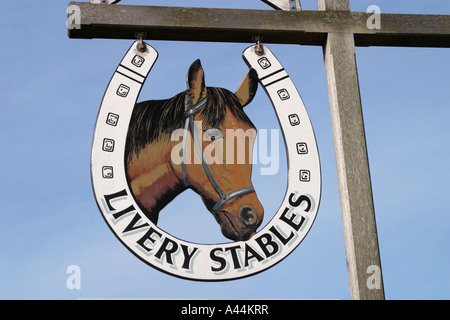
(275,26)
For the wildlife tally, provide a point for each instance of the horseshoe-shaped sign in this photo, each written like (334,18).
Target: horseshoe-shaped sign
(180,258)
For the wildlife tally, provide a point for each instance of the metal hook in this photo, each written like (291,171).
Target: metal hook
(258,49)
(141,46)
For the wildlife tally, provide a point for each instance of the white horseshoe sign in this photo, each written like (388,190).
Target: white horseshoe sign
(184,259)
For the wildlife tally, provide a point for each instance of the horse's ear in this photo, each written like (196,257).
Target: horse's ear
(196,82)
(247,90)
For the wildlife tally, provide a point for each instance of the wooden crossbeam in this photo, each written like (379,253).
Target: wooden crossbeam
(238,25)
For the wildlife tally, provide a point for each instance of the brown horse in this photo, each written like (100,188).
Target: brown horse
(206,114)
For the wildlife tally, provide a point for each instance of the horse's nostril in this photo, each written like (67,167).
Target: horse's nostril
(248,215)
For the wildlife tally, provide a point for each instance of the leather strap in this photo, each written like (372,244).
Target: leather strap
(190,111)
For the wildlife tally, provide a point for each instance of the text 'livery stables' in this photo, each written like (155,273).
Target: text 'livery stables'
(145,154)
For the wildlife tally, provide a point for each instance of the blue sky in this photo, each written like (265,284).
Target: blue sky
(52,88)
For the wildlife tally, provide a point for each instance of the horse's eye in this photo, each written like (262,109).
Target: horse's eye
(213,134)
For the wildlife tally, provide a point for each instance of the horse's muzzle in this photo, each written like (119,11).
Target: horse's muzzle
(248,215)
(241,225)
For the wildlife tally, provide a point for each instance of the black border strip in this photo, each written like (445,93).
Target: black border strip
(129,77)
(121,65)
(282,78)
(273,73)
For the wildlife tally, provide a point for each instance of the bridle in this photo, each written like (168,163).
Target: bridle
(189,113)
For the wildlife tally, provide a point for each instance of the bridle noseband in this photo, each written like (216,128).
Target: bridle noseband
(189,113)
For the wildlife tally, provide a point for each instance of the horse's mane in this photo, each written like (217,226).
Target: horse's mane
(154,120)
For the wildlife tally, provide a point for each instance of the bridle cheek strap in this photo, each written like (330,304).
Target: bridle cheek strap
(190,111)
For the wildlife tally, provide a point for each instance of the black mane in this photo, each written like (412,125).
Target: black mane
(155,120)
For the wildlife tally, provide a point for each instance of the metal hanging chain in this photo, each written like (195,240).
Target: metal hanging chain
(286,5)
(104,1)
(292,5)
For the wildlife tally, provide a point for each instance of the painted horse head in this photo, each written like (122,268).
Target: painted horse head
(213,157)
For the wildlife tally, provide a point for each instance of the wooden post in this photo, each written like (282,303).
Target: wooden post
(360,233)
